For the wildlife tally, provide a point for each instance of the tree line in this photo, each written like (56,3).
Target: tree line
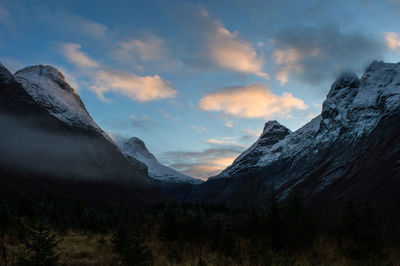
(270,234)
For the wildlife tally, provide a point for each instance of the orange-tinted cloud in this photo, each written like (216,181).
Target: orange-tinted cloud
(209,167)
(251,101)
(230,52)
(73,53)
(392,40)
(139,88)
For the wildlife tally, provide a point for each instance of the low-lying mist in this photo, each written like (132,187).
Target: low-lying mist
(27,145)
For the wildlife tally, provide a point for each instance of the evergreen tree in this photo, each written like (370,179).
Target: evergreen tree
(369,231)
(40,245)
(174,254)
(350,221)
(227,244)
(5,224)
(274,223)
(216,232)
(170,227)
(193,225)
(299,227)
(130,244)
(350,230)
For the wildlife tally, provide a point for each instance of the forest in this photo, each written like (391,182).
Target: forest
(55,232)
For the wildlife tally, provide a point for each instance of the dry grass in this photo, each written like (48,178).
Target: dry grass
(78,249)
(95,249)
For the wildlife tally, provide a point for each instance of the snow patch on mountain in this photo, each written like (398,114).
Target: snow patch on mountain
(273,132)
(48,87)
(136,148)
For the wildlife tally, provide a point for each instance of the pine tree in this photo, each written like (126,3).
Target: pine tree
(274,223)
(369,231)
(350,221)
(227,245)
(40,245)
(170,227)
(5,224)
(299,227)
(174,254)
(130,244)
(193,226)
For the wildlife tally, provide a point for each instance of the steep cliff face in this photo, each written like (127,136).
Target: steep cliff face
(49,141)
(327,150)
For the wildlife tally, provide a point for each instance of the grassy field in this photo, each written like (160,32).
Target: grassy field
(77,248)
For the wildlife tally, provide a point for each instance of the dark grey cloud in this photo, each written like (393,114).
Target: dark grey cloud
(326,51)
(143,123)
(175,157)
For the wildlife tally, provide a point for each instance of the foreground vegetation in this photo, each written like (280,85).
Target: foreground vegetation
(68,233)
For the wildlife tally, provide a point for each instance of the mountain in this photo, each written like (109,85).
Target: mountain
(350,151)
(50,144)
(135,147)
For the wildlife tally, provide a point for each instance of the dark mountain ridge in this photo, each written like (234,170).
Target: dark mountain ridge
(350,151)
(43,154)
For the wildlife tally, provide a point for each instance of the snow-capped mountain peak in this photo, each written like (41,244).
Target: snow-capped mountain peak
(273,133)
(136,148)
(352,109)
(48,87)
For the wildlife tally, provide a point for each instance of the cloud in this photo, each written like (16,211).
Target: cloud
(168,116)
(73,53)
(143,123)
(198,129)
(12,64)
(250,135)
(206,169)
(144,49)
(229,124)
(67,22)
(6,19)
(138,88)
(251,101)
(70,78)
(392,40)
(290,61)
(231,52)
(201,164)
(213,46)
(223,142)
(150,47)
(318,54)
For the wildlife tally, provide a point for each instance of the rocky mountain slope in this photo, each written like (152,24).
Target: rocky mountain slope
(351,150)
(135,147)
(50,143)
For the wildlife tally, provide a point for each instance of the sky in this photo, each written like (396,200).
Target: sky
(197,80)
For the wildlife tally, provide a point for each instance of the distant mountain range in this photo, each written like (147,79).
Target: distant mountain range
(50,144)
